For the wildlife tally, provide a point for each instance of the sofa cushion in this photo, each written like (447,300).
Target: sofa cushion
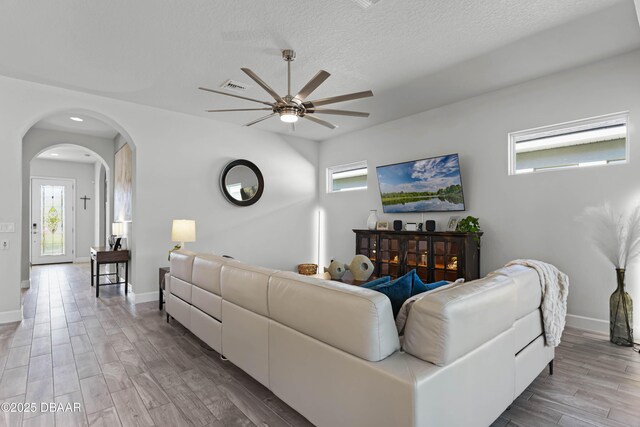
(401,317)
(443,326)
(206,271)
(528,289)
(246,286)
(181,289)
(182,264)
(206,301)
(350,318)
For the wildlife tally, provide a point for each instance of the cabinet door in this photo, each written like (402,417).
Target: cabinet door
(447,258)
(390,256)
(367,245)
(417,253)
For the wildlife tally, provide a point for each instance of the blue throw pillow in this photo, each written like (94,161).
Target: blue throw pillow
(436,285)
(419,287)
(397,291)
(379,281)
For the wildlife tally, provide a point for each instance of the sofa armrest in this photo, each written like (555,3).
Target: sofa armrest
(445,326)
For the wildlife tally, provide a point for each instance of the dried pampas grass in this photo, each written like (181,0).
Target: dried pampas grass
(616,237)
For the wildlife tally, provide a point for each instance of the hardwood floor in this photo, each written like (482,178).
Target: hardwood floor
(126,366)
(595,383)
(122,362)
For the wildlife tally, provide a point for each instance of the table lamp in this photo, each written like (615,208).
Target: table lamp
(182,231)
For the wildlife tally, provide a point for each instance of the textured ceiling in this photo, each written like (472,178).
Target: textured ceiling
(413,54)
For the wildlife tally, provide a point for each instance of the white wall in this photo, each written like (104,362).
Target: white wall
(525,216)
(83,174)
(36,141)
(178,162)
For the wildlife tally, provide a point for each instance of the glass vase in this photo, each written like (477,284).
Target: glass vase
(621,314)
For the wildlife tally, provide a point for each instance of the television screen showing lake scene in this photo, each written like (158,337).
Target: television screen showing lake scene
(428,185)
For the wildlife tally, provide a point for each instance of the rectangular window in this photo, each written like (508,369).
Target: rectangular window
(590,142)
(347,177)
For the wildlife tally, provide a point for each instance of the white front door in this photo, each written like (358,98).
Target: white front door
(52,225)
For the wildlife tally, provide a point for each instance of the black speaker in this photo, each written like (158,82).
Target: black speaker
(430,225)
(397,225)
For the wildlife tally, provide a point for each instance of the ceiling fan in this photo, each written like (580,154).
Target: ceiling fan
(291,107)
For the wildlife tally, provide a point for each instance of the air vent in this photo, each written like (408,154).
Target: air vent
(366,4)
(234,86)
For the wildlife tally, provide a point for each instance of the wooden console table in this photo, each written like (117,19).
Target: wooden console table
(436,255)
(101,256)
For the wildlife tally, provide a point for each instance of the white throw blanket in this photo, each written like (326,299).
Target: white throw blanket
(555,288)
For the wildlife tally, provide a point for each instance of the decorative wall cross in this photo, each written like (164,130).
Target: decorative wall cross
(85,198)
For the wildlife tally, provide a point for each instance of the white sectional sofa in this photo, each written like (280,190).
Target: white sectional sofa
(332,351)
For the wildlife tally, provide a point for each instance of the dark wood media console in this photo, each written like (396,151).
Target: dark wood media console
(435,255)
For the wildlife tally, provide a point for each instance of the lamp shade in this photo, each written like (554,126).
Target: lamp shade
(183,230)
(117,229)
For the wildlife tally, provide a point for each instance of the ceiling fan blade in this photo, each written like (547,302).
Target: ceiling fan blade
(336,99)
(261,119)
(320,122)
(312,85)
(337,112)
(235,96)
(240,109)
(262,84)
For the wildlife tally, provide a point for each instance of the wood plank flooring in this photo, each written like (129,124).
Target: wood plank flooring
(126,366)
(594,383)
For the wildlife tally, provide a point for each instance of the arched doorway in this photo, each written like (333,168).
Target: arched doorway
(88,210)
(77,133)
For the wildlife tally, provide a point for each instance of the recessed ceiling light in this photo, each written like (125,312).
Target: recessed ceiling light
(76,119)
(54,154)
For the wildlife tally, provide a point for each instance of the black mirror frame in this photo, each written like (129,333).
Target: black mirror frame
(254,169)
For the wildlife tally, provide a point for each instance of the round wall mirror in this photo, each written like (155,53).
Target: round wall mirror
(242,183)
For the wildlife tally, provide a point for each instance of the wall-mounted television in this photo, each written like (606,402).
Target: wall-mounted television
(427,185)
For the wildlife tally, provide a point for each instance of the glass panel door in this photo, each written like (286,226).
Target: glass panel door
(52,240)
(389,256)
(447,254)
(368,246)
(51,221)
(418,256)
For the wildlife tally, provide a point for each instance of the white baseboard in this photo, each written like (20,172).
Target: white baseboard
(82,260)
(25,284)
(146,297)
(587,323)
(11,316)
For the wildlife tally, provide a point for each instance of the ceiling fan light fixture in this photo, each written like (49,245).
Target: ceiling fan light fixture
(289,115)
(291,107)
